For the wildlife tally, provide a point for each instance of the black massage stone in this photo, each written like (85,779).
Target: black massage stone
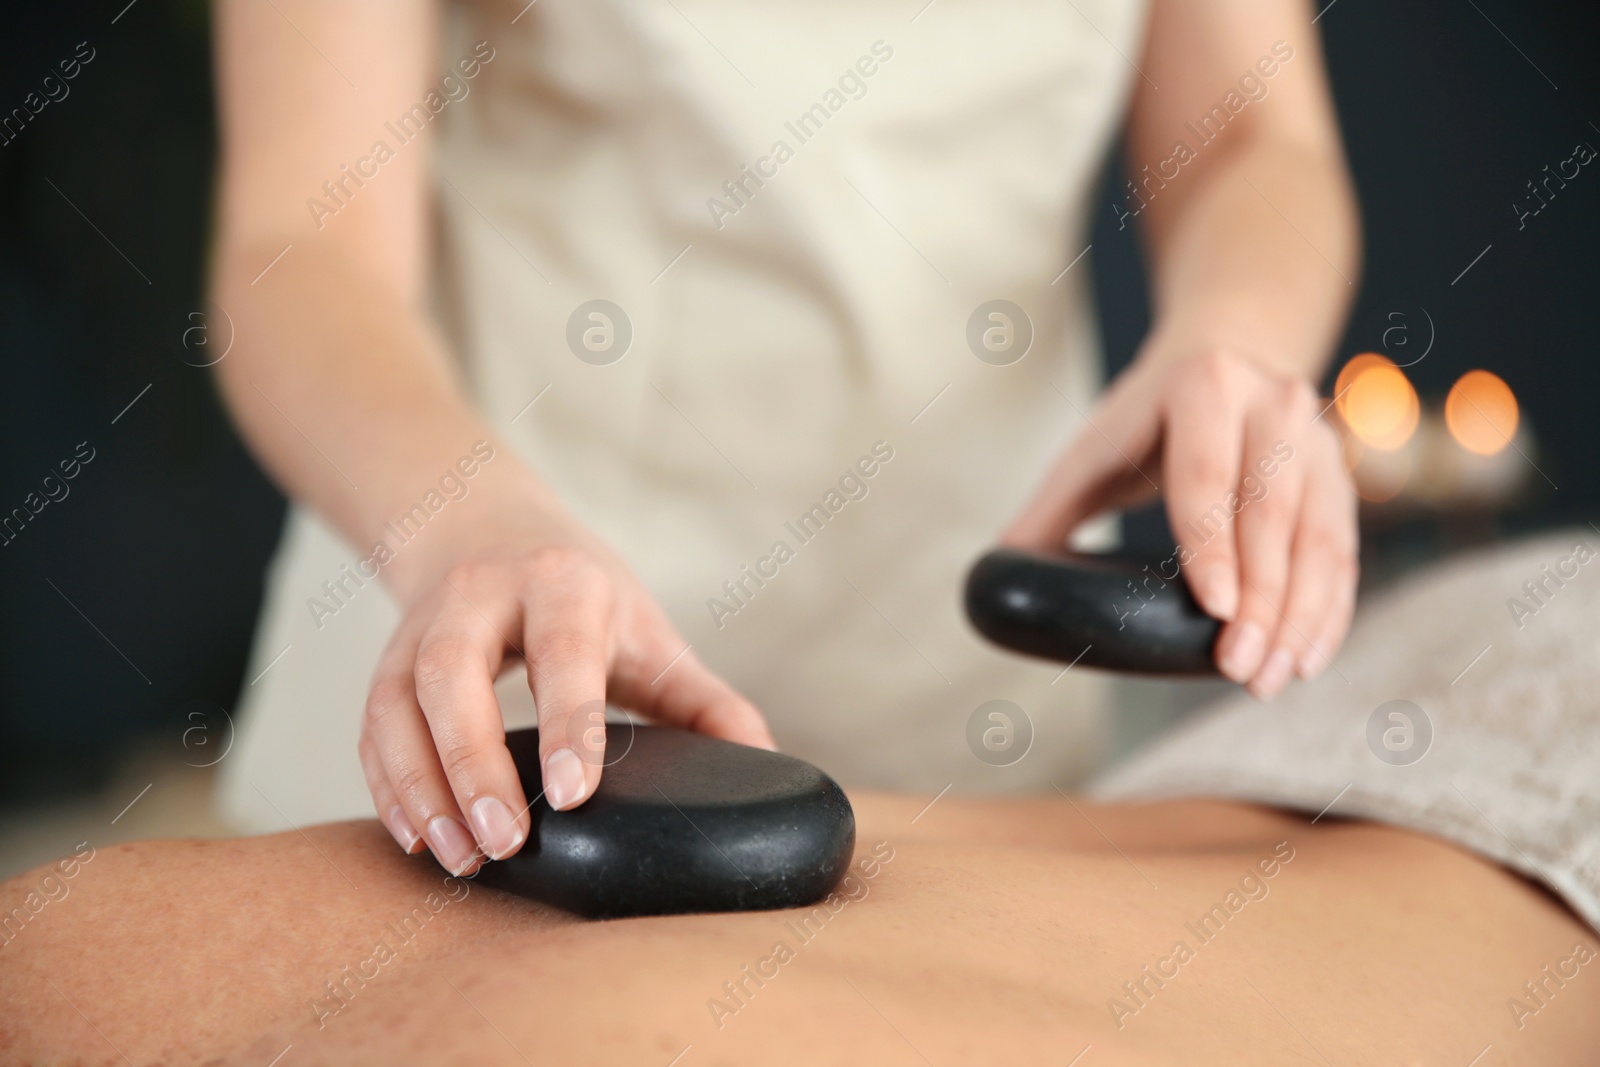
(1117,612)
(680,823)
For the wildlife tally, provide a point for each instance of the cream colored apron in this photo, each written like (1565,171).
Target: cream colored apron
(800,209)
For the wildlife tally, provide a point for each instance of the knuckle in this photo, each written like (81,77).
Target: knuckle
(1296,395)
(1334,564)
(1321,544)
(549,563)
(412,784)
(1210,470)
(1273,534)
(467,573)
(387,698)
(1194,466)
(1217,368)
(440,663)
(1274,512)
(463,760)
(559,645)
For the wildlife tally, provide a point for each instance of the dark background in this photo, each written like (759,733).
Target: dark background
(137,593)
(1445,121)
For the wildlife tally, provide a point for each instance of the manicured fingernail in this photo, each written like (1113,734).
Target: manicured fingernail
(1274,675)
(564,784)
(403,831)
(452,844)
(1217,591)
(1244,652)
(1312,664)
(497,831)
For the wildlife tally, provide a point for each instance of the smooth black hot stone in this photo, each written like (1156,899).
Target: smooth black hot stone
(1114,611)
(681,823)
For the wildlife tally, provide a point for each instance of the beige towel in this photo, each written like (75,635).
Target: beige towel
(1466,704)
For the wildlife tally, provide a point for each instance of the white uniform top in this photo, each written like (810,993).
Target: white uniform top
(798,208)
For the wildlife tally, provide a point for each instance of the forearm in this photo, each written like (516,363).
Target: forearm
(345,393)
(1259,255)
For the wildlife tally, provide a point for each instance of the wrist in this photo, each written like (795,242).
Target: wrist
(1176,341)
(461,519)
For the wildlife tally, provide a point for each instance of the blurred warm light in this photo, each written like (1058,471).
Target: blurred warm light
(1481,412)
(1352,370)
(1449,457)
(1381,475)
(1377,401)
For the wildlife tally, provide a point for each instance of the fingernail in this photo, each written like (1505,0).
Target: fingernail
(497,831)
(1312,664)
(1244,653)
(452,844)
(564,784)
(401,828)
(1274,675)
(1217,592)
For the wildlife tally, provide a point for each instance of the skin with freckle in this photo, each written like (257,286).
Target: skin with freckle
(988,931)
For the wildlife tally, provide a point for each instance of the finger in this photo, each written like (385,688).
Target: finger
(404,748)
(390,812)
(1333,623)
(567,629)
(1330,638)
(1105,467)
(1322,549)
(684,692)
(1264,530)
(1203,446)
(458,657)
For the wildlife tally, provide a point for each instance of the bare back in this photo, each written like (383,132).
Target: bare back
(983,931)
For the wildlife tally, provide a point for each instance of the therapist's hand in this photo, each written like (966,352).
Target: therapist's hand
(543,588)
(1256,492)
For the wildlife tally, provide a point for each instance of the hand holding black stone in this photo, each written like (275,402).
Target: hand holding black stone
(680,822)
(1118,612)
